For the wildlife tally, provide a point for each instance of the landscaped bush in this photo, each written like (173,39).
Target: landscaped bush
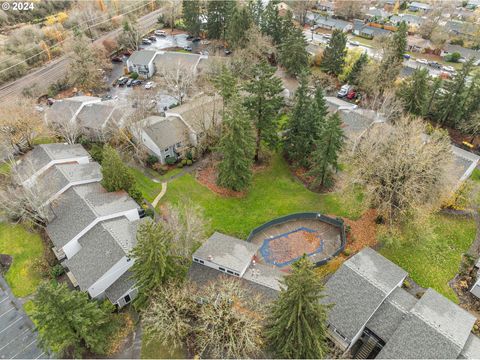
(160,168)
(151,160)
(134,75)
(150,213)
(458,41)
(56,271)
(184,162)
(454,57)
(180,165)
(136,194)
(189,162)
(96,152)
(170,160)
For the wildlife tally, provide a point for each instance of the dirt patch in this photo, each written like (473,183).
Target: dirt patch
(207,176)
(363,232)
(123,338)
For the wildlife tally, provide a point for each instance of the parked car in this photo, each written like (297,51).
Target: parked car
(227,52)
(129,82)
(434,64)
(187,48)
(137,82)
(149,85)
(354,43)
(152,38)
(116,59)
(422,61)
(106,97)
(122,81)
(327,36)
(449,69)
(160,33)
(344,90)
(196,39)
(406,56)
(352,94)
(146,42)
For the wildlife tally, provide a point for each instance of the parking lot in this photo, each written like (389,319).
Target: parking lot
(18,340)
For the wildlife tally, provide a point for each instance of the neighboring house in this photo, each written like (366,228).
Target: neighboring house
(59,178)
(330,23)
(371,315)
(142,62)
(282,8)
(374,14)
(461,28)
(104,258)
(418,44)
(473,4)
(412,21)
(418,6)
(367,31)
(328,6)
(79,209)
(43,157)
(465,53)
(182,127)
(173,59)
(65,110)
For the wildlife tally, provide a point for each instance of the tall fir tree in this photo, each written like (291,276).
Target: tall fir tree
(324,162)
(71,324)
(306,123)
(226,84)
(271,23)
(414,92)
(293,53)
(356,70)
(297,324)
(116,175)
(218,17)
(399,41)
(449,106)
(263,103)
(435,87)
(238,27)
(333,58)
(237,147)
(154,264)
(255,8)
(191,16)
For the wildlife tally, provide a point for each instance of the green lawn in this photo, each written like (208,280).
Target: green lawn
(432,259)
(274,192)
(155,350)
(5,168)
(25,247)
(147,186)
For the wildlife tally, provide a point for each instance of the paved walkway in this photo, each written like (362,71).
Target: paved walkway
(160,195)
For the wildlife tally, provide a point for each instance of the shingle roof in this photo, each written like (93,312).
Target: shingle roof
(435,328)
(227,251)
(172,59)
(166,132)
(419,5)
(43,154)
(79,206)
(333,23)
(59,176)
(358,288)
(199,113)
(471,350)
(95,116)
(265,275)
(203,275)
(142,57)
(391,313)
(120,286)
(464,52)
(102,247)
(63,110)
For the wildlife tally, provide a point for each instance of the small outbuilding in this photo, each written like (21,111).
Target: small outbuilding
(142,62)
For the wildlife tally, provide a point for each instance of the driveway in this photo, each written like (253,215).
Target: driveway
(18,339)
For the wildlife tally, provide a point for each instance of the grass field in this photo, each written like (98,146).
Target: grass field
(25,247)
(147,186)
(156,350)
(274,192)
(432,258)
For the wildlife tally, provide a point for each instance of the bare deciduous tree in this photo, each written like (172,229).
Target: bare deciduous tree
(20,123)
(402,169)
(66,127)
(179,78)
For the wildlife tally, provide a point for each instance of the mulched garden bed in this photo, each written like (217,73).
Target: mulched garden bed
(207,176)
(363,232)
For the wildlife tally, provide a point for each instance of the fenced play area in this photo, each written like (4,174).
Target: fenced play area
(284,240)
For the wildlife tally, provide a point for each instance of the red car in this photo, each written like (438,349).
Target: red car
(352,94)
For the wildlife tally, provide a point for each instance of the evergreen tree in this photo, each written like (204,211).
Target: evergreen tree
(238,28)
(237,147)
(116,175)
(356,70)
(191,16)
(434,89)
(226,84)
(399,41)
(334,55)
(305,125)
(69,323)
(325,157)
(218,17)
(263,103)
(293,53)
(414,91)
(449,107)
(255,9)
(297,324)
(271,23)
(154,263)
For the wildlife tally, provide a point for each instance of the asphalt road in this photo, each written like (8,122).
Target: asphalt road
(57,69)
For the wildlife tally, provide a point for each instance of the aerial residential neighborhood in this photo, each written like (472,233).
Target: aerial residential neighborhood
(240,179)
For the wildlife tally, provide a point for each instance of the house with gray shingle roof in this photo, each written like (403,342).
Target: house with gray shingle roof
(104,255)
(142,62)
(330,23)
(43,157)
(181,128)
(79,209)
(418,6)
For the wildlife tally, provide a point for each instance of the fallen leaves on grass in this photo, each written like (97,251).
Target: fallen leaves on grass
(363,232)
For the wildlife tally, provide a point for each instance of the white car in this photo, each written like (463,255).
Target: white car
(327,36)
(160,33)
(422,61)
(149,85)
(448,69)
(354,43)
